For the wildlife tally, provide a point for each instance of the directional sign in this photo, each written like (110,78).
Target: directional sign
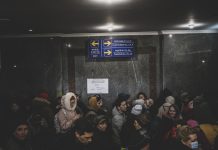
(94,43)
(111,48)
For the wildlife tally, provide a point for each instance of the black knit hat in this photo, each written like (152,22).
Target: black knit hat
(100,119)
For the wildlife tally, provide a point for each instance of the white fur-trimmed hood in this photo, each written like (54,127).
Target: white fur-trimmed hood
(65,101)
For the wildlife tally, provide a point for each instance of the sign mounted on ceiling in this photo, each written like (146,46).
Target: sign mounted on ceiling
(111,48)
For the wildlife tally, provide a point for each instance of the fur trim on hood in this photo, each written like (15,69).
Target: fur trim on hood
(65,101)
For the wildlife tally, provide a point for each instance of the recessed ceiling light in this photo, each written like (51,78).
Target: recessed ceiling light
(191,24)
(109,1)
(170,35)
(109,27)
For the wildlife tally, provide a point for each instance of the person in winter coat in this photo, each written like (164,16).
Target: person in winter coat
(118,119)
(187,108)
(65,118)
(41,105)
(187,139)
(79,138)
(102,136)
(201,136)
(135,135)
(20,139)
(95,105)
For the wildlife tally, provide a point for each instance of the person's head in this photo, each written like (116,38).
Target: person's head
(101,123)
(77,96)
(141,95)
(188,101)
(173,111)
(190,104)
(125,97)
(69,101)
(170,99)
(95,102)
(193,124)
(121,105)
(149,102)
(140,121)
(20,129)
(188,136)
(14,107)
(163,110)
(83,131)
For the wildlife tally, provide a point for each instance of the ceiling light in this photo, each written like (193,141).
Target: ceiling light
(30,30)
(109,27)
(170,35)
(203,61)
(109,1)
(191,25)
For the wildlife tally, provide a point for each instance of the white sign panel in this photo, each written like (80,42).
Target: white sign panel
(97,86)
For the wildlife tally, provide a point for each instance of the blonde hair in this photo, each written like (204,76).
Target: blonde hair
(183,132)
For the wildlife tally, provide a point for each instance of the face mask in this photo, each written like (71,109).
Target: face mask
(194,145)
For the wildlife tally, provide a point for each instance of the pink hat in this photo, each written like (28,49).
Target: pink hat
(192,123)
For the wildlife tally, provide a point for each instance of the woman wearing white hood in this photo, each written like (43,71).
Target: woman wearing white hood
(65,118)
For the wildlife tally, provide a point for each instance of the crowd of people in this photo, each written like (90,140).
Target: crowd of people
(134,123)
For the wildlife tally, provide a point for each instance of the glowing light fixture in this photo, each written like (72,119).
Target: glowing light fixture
(109,27)
(30,30)
(170,35)
(109,1)
(191,25)
(203,61)
(68,45)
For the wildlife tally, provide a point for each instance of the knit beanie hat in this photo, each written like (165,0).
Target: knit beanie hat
(170,99)
(138,101)
(100,119)
(192,123)
(136,110)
